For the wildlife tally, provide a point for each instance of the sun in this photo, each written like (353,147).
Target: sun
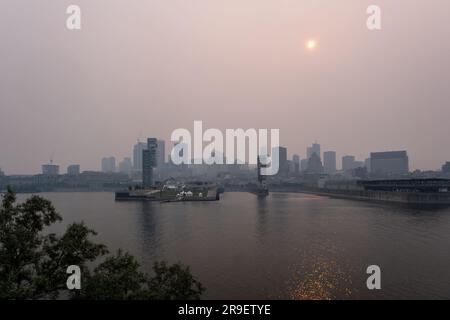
(311,44)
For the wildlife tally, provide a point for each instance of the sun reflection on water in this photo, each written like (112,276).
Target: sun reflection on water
(323,280)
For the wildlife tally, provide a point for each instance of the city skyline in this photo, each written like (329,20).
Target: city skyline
(132,157)
(160,65)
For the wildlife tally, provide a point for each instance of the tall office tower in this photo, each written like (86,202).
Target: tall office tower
(329,162)
(303,164)
(283,161)
(386,163)
(291,167)
(348,163)
(296,161)
(125,166)
(73,169)
(161,153)
(109,164)
(315,148)
(50,169)
(314,164)
(149,161)
(138,148)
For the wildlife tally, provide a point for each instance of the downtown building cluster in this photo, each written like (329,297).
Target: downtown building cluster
(149,166)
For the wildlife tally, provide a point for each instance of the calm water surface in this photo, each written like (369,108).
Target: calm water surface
(287,246)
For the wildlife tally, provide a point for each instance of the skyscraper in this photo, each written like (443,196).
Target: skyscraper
(329,162)
(161,153)
(149,161)
(303,164)
(296,162)
(315,148)
(109,164)
(283,161)
(138,148)
(314,164)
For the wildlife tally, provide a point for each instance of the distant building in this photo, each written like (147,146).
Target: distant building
(137,155)
(367,164)
(303,164)
(125,166)
(1,172)
(161,153)
(348,163)
(446,167)
(73,169)
(283,161)
(359,172)
(314,164)
(358,164)
(315,148)
(329,162)
(149,161)
(109,164)
(296,163)
(388,163)
(291,166)
(50,169)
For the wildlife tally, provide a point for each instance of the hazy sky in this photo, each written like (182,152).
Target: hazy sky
(146,67)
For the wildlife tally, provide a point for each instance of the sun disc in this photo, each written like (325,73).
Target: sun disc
(311,44)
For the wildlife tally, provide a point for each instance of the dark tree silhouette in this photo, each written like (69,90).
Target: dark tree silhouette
(33,264)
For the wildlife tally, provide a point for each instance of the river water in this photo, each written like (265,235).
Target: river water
(287,246)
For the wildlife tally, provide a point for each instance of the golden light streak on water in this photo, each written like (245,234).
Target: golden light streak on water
(324,280)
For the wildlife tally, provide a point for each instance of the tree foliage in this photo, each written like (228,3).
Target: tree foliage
(33,262)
